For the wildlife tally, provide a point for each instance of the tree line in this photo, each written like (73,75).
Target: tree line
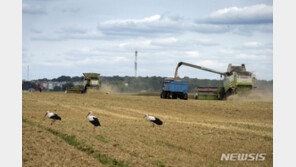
(137,84)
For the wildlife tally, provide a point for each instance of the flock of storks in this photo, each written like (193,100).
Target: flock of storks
(95,121)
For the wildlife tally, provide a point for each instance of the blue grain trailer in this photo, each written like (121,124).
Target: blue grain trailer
(174,89)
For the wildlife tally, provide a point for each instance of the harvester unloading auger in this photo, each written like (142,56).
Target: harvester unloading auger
(196,66)
(236,80)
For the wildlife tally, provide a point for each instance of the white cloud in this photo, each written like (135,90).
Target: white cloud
(247,56)
(77,29)
(164,41)
(91,35)
(205,42)
(85,50)
(151,19)
(226,51)
(149,43)
(68,33)
(28,9)
(120,59)
(141,44)
(86,60)
(217,22)
(209,28)
(36,30)
(155,25)
(252,44)
(212,64)
(147,26)
(256,14)
(192,54)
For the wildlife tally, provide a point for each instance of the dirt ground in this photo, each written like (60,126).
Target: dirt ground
(194,133)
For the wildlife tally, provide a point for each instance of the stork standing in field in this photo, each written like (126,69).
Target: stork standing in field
(52,116)
(153,120)
(93,120)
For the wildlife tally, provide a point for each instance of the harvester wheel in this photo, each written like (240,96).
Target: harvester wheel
(222,94)
(228,93)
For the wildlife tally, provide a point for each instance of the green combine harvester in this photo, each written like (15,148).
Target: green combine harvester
(237,80)
(90,80)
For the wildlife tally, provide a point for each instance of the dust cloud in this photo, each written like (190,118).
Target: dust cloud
(254,96)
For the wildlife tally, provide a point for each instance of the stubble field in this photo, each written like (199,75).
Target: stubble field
(194,133)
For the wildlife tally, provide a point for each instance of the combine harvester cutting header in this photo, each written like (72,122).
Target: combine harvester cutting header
(236,80)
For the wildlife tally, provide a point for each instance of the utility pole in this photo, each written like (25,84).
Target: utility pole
(28,72)
(136,62)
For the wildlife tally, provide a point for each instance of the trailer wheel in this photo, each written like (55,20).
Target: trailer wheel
(185,96)
(168,95)
(182,96)
(162,95)
(165,95)
(174,96)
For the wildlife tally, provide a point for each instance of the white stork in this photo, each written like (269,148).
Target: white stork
(153,120)
(52,116)
(93,120)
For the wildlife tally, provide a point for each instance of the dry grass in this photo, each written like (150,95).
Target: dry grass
(195,133)
(40,148)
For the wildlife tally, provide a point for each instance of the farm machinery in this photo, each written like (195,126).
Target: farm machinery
(90,80)
(172,89)
(237,80)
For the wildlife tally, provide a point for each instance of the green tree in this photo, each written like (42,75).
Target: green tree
(27,85)
(62,78)
(57,88)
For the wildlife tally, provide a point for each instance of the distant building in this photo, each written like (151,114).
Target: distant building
(44,85)
(50,85)
(77,83)
(31,90)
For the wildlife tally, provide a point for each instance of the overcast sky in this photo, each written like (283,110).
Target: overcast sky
(66,37)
